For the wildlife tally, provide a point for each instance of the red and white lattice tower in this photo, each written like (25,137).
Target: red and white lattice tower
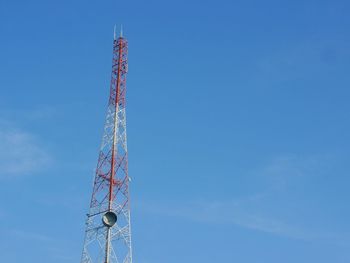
(108,233)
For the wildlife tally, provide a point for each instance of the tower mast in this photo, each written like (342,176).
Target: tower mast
(108,232)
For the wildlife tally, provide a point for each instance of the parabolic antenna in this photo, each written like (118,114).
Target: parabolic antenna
(109,219)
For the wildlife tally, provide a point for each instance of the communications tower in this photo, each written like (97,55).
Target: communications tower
(108,233)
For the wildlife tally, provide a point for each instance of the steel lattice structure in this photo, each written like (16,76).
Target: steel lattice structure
(108,233)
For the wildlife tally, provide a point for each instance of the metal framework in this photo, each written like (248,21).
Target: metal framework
(108,232)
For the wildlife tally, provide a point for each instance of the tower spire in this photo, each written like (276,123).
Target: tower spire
(108,231)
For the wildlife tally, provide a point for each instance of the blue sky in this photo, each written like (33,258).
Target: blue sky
(238,128)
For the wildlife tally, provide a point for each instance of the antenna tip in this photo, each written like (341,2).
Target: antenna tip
(121,30)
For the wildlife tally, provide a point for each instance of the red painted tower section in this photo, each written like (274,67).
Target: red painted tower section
(108,232)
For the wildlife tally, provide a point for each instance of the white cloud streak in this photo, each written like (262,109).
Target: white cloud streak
(21,153)
(250,212)
(31,236)
(229,213)
(281,171)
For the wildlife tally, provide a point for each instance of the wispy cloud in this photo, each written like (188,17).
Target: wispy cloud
(229,213)
(236,214)
(282,170)
(21,153)
(31,236)
(38,113)
(56,248)
(257,212)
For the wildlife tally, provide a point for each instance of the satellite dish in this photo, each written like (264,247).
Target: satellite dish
(109,219)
